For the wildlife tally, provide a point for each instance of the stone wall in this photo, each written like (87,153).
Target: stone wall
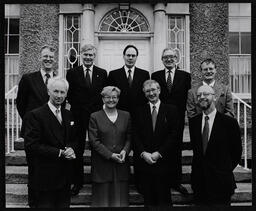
(39,25)
(209,38)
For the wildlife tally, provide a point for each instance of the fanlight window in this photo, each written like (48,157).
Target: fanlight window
(124,21)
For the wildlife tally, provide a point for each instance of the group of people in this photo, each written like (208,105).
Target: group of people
(123,111)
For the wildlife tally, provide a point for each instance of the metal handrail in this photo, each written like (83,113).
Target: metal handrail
(245,106)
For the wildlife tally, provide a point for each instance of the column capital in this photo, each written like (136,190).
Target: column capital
(88,7)
(159,7)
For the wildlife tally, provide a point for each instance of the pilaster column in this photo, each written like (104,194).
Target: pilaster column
(160,40)
(87,28)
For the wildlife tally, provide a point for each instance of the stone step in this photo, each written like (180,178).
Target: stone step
(18,174)
(18,158)
(17,194)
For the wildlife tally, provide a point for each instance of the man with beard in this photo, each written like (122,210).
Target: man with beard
(155,147)
(175,84)
(129,79)
(32,93)
(85,85)
(223,102)
(217,148)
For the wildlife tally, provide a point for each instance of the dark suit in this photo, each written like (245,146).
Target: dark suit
(177,97)
(32,93)
(212,178)
(84,101)
(44,137)
(223,103)
(153,181)
(130,98)
(106,138)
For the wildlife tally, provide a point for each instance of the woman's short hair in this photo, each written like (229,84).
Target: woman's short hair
(108,89)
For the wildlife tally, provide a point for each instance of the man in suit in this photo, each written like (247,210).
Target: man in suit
(130,80)
(49,139)
(86,83)
(175,84)
(32,93)
(217,148)
(155,147)
(223,103)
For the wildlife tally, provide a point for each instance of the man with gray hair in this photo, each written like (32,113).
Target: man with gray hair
(32,93)
(50,140)
(86,82)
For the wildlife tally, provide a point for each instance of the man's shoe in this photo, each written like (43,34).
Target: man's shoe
(181,189)
(75,190)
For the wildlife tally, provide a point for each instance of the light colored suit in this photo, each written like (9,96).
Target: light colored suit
(224,101)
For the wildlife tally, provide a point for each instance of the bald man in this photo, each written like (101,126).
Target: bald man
(217,148)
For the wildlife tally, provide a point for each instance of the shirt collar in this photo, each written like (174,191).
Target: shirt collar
(156,105)
(210,115)
(211,84)
(126,69)
(43,72)
(172,70)
(52,107)
(90,68)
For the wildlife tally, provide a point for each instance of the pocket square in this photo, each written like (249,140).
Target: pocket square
(72,123)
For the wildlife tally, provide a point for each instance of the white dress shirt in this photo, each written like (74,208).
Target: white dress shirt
(43,74)
(156,105)
(211,84)
(210,121)
(132,71)
(167,73)
(90,72)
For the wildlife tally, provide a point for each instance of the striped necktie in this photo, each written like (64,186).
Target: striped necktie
(154,116)
(205,135)
(169,81)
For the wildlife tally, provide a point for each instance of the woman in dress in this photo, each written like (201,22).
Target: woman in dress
(110,138)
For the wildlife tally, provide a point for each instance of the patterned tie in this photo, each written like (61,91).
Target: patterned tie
(47,76)
(87,78)
(154,116)
(58,115)
(169,81)
(129,78)
(205,134)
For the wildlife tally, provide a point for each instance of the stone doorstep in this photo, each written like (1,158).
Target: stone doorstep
(18,194)
(18,174)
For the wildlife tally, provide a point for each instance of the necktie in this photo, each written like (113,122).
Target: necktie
(154,116)
(205,134)
(129,78)
(169,81)
(87,78)
(47,76)
(58,116)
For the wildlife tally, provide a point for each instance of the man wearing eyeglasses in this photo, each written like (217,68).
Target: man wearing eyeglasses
(129,79)
(175,84)
(85,85)
(217,149)
(223,103)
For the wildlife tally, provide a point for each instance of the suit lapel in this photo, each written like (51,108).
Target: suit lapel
(214,129)
(136,79)
(198,130)
(177,79)
(65,123)
(160,117)
(148,119)
(95,76)
(40,86)
(124,79)
(80,75)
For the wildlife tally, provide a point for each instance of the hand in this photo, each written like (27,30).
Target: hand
(122,155)
(155,156)
(148,158)
(69,153)
(116,157)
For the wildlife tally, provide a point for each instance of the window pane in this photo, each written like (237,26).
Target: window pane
(5,26)
(245,43)
(14,26)
(14,44)
(5,44)
(234,43)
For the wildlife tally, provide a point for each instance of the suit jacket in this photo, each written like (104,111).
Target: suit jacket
(106,138)
(44,137)
(81,97)
(214,168)
(163,140)
(224,102)
(32,93)
(179,91)
(133,97)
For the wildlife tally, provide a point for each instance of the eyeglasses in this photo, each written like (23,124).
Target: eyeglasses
(113,97)
(150,90)
(204,94)
(169,57)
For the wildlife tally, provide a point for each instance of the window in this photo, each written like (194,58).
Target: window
(72,35)
(176,37)
(240,48)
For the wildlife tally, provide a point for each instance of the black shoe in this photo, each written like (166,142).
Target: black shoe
(75,190)
(181,189)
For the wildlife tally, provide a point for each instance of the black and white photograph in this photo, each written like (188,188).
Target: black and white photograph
(129,104)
